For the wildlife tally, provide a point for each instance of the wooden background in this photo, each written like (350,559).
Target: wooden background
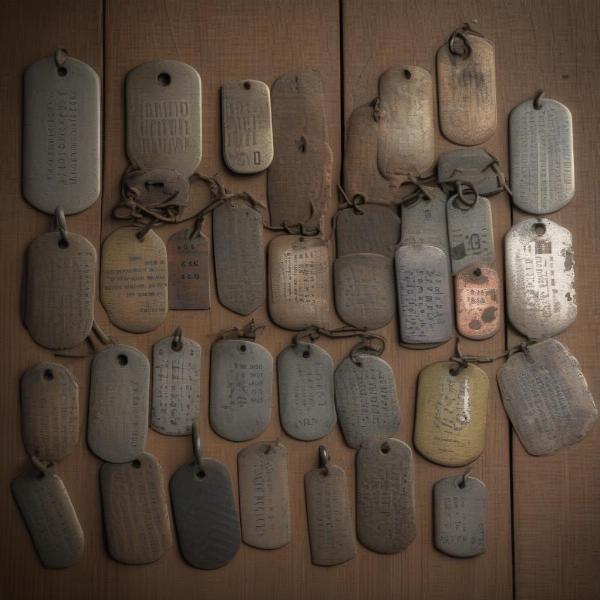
(543,520)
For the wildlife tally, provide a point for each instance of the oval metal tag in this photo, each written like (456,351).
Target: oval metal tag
(469,165)
(424,221)
(540,278)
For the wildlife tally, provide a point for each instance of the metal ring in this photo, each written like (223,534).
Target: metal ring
(324,459)
(196,443)
(177,343)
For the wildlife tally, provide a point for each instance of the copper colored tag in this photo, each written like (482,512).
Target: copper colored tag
(424,220)
(469,165)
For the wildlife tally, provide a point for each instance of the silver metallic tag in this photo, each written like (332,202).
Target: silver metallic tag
(469,165)
(424,221)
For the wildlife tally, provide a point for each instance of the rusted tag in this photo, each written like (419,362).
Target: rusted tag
(385,495)
(61,289)
(477,296)
(49,411)
(133,280)
(542,168)
(61,134)
(189,277)
(451,413)
(540,278)
(466,74)
(424,220)
(118,406)
(546,397)
(136,514)
(246,123)
(405,113)
(164,116)
(264,495)
(240,269)
(299,281)
(469,165)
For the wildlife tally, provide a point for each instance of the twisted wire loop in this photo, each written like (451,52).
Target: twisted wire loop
(537,101)
(370,343)
(466,196)
(43,467)
(353,203)
(196,444)
(463,480)
(249,332)
(177,342)
(461,33)
(61,225)
(420,191)
(324,459)
(60,57)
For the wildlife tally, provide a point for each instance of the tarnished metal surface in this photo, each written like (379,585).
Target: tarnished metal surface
(424,221)
(471,165)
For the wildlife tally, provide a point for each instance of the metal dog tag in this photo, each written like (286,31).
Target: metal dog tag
(542,169)
(366,399)
(424,221)
(546,397)
(240,269)
(459,516)
(61,134)
(61,289)
(406,129)
(164,116)
(540,278)
(299,281)
(241,380)
(118,406)
(136,514)
(133,280)
(385,495)
(365,294)
(264,495)
(189,270)
(451,413)
(246,123)
(424,294)
(49,411)
(469,165)
(477,295)
(305,386)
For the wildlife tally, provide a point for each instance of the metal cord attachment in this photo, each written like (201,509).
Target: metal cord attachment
(196,444)
(43,467)
(324,459)
(366,346)
(61,226)
(537,100)
(177,343)
(466,196)
(60,58)
(462,484)
(249,332)
(461,33)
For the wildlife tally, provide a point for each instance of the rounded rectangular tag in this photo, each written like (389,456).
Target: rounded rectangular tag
(469,165)
(424,220)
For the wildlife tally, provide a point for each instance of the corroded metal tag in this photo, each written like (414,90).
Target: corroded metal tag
(241,383)
(61,134)
(546,397)
(365,294)
(424,221)
(542,169)
(299,281)
(477,296)
(406,129)
(136,514)
(472,166)
(49,411)
(264,495)
(459,516)
(246,123)
(118,406)
(133,280)
(385,495)
(61,288)
(540,278)
(366,399)
(451,413)
(240,270)
(164,116)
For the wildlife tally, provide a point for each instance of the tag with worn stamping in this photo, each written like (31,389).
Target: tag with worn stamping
(424,220)
(547,397)
(540,278)
(469,165)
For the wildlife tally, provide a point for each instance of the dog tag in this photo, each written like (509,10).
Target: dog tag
(477,293)
(176,363)
(61,134)
(364,290)
(406,129)
(459,516)
(451,413)
(239,256)
(133,280)
(118,406)
(424,221)
(540,278)
(241,380)
(246,122)
(546,397)
(61,287)
(189,277)
(299,281)
(472,166)
(424,294)
(50,517)
(365,398)
(470,233)
(164,116)
(264,495)
(49,411)
(542,169)
(305,385)
(136,515)
(385,495)
(466,73)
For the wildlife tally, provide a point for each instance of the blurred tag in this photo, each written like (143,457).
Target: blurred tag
(424,221)
(469,165)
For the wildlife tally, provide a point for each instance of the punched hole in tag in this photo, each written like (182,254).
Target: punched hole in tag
(243,348)
(305,354)
(136,464)
(48,375)
(539,228)
(407,74)
(247,85)
(164,79)
(477,272)
(122,359)
(62,243)
(200,474)
(385,448)
(62,71)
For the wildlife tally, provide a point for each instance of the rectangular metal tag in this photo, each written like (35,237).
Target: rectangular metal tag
(470,165)
(424,220)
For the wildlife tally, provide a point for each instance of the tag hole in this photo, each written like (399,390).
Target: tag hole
(247,85)
(539,228)
(453,371)
(385,448)
(301,239)
(306,354)
(243,348)
(136,464)
(122,359)
(200,474)
(62,71)
(477,272)
(63,244)
(48,375)
(164,79)
(324,473)
(407,74)
(462,484)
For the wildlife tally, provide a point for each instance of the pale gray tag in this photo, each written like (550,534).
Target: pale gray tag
(469,165)
(424,221)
